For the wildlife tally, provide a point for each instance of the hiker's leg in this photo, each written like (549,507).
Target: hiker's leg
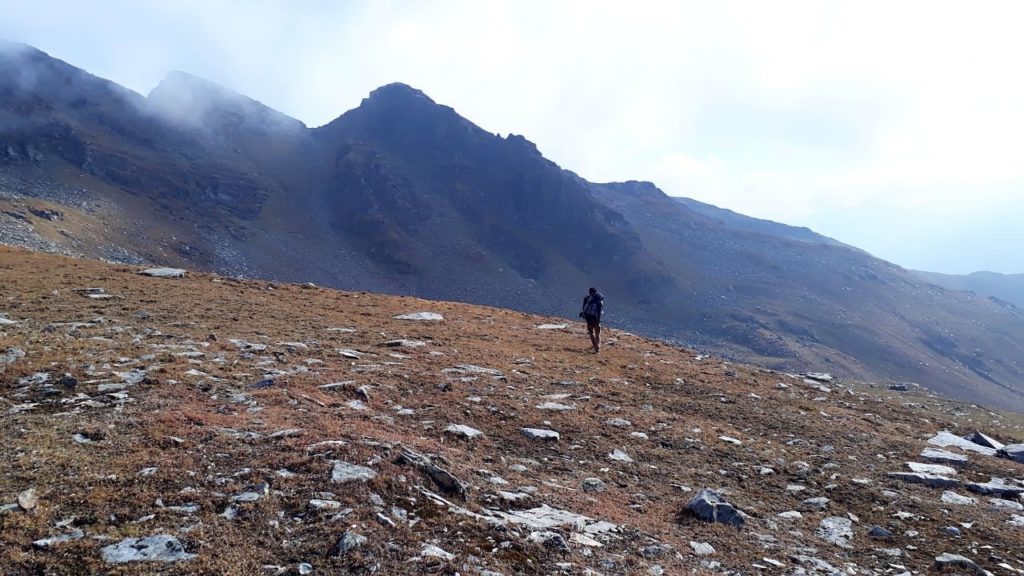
(597,337)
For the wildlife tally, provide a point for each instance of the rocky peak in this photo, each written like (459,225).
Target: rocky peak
(199,103)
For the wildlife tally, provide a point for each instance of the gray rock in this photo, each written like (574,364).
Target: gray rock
(555,406)
(936,469)
(710,506)
(619,456)
(1001,504)
(995,487)
(405,343)
(343,472)
(945,439)
(252,493)
(953,531)
(421,316)
(619,422)
(950,497)
(305,569)
(1014,452)
(159,548)
(541,434)
(932,480)
(943,456)
(28,500)
(879,533)
(163,272)
(702,548)
(593,485)
(1017,521)
(348,542)
(819,503)
(11,355)
(444,479)
(550,540)
(54,541)
(982,440)
(944,561)
(463,431)
(837,530)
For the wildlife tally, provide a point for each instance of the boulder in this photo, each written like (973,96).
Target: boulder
(709,506)
(445,480)
(159,548)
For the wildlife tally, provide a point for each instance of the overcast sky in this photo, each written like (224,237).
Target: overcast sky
(894,126)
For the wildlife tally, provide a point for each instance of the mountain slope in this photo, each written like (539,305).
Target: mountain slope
(257,424)
(403,195)
(1006,287)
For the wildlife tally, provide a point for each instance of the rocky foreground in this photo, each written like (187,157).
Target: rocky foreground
(179,423)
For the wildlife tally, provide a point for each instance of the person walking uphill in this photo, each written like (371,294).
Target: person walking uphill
(593,306)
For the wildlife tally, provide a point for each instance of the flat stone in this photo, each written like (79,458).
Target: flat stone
(946,439)
(463,431)
(405,343)
(555,406)
(790,515)
(593,485)
(163,272)
(820,376)
(937,469)
(995,487)
(944,456)
(421,316)
(54,541)
(1016,521)
(551,327)
(618,422)
(709,506)
(545,517)
(837,530)
(730,440)
(541,434)
(950,497)
(819,503)
(319,504)
(343,472)
(159,548)
(931,480)
(474,369)
(1001,504)
(432,551)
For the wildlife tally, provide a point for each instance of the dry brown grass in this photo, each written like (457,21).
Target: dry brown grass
(663,390)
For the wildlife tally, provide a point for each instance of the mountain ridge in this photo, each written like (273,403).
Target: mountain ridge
(402,195)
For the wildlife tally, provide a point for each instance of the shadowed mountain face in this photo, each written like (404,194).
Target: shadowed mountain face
(402,195)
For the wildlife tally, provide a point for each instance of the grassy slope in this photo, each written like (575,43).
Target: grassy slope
(682,403)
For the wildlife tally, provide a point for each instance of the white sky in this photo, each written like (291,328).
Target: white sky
(894,126)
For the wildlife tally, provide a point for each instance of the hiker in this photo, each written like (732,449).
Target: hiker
(593,305)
